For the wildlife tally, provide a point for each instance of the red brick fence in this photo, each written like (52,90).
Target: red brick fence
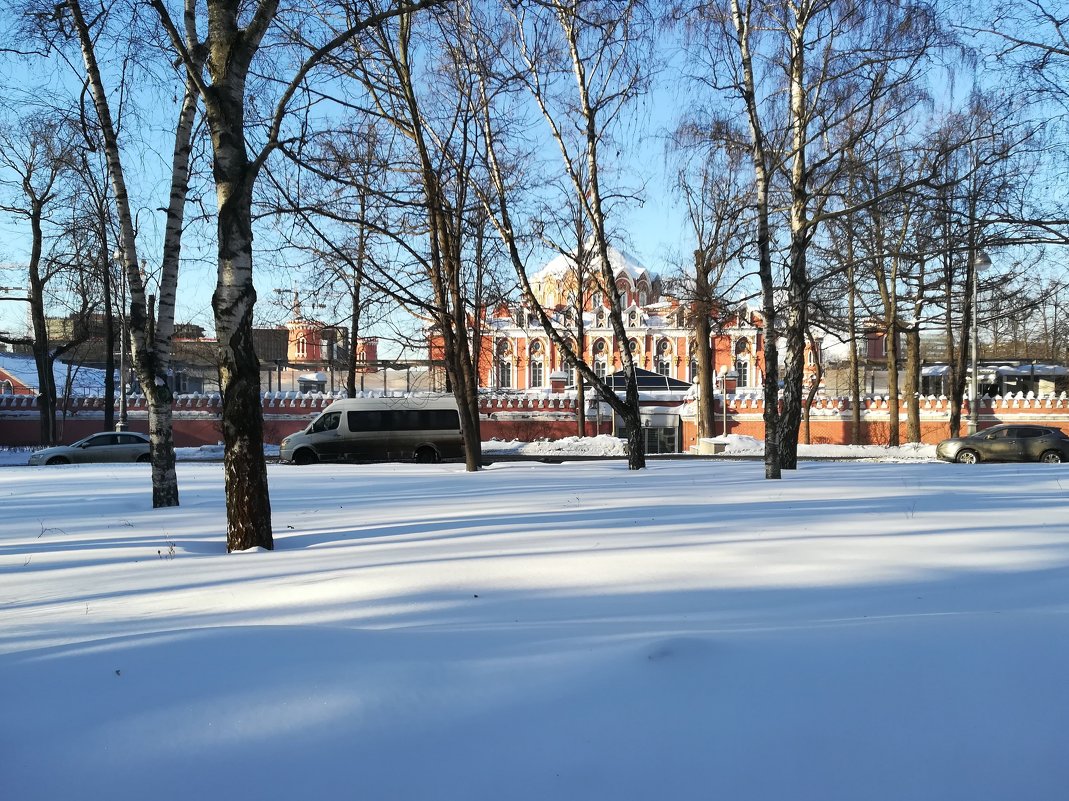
(196,417)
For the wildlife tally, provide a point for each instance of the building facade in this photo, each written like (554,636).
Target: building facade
(659,328)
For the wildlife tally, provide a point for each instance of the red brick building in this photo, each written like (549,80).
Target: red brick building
(519,356)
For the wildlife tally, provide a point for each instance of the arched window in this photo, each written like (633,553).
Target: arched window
(302,347)
(7,388)
(742,362)
(504,364)
(693,371)
(599,368)
(536,377)
(621,291)
(663,363)
(642,297)
(632,345)
(597,300)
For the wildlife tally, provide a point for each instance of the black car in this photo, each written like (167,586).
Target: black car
(1007,443)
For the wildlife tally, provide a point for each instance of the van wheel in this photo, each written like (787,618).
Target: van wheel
(426,456)
(305,456)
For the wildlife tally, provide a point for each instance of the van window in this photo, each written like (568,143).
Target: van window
(327,422)
(404,420)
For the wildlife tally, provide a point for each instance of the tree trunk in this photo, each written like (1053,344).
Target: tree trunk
(912,383)
(855,373)
(741,20)
(580,388)
(961,360)
(814,387)
(893,400)
(795,338)
(150,342)
(164,476)
(42,356)
(244,467)
(702,336)
(797,277)
(109,341)
(354,327)
(793,371)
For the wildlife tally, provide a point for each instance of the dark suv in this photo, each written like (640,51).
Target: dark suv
(1007,443)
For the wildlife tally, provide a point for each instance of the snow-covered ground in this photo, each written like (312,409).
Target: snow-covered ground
(856,630)
(603,445)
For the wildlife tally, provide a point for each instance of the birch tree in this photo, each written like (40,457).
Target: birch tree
(810,78)
(149,320)
(583,63)
(226,38)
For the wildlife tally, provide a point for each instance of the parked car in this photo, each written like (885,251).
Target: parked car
(1007,443)
(108,446)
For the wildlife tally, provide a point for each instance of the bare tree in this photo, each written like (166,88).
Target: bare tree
(1030,38)
(811,78)
(37,154)
(440,127)
(231,40)
(567,232)
(149,325)
(719,209)
(582,64)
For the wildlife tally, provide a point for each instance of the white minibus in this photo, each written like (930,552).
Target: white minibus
(420,428)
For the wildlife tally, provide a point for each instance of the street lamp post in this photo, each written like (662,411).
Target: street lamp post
(980,262)
(122,424)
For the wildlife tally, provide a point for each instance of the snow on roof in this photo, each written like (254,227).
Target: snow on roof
(935,369)
(1032,369)
(619,261)
(84,380)
(991,371)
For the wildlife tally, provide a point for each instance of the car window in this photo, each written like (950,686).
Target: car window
(999,433)
(1031,433)
(130,439)
(102,439)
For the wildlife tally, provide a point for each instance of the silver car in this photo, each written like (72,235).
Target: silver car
(109,446)
(1007,443)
